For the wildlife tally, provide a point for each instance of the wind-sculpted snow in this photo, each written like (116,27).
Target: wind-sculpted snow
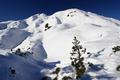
(3,26)
(40,53)
(49,40)
(18,24)
(12,38)
(24,69)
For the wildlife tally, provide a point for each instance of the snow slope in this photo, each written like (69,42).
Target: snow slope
(50,39)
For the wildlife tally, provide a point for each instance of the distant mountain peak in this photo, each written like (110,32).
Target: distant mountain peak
(49,38)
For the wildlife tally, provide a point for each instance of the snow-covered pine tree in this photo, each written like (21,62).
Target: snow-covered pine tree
(77,59)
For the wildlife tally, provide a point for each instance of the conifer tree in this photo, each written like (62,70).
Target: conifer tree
(77,59)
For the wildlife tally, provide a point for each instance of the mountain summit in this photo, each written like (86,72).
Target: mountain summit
(50,38)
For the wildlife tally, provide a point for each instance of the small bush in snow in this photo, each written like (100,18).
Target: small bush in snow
(47,27)
(12,72)
(67,78)
(116,48)
(118,68)
(22,54)
(56,72)
(77,59)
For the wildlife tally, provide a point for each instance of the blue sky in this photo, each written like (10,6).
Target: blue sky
(20,9)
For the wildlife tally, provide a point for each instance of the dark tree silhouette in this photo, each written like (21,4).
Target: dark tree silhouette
(47,27)
(56,72)
(67,78)
(116,48)
(77,59)
(22,54)
(12,72)
(46,78)
(118,68)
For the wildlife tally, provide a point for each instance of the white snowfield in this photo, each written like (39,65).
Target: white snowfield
(98,34)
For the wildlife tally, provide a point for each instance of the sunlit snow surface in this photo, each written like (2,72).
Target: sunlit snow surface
(51,47)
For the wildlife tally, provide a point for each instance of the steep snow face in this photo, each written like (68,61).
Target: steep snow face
(35,22)
(50,37)
(3,25)
(12,38)
(95,33)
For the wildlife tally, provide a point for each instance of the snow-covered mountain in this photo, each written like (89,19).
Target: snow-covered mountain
(50,39)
